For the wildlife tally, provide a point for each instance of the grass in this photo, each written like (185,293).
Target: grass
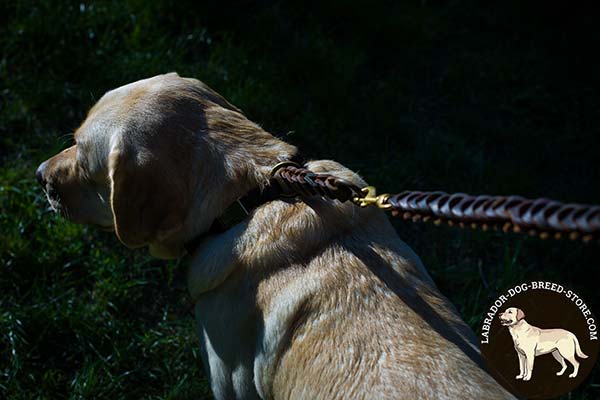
(455,96)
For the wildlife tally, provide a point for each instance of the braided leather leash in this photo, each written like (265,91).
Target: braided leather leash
(540,217)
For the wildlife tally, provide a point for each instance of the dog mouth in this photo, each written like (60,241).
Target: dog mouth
(57,207)
(54,201)
(505,322)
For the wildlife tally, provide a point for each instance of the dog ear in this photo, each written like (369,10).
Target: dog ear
(148,198)
(520,314)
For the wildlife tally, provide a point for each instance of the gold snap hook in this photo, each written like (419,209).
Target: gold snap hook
(371,198)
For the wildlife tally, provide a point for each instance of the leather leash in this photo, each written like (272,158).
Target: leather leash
(541,217)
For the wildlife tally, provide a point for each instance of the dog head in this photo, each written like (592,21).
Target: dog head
(511,316)
(157,161)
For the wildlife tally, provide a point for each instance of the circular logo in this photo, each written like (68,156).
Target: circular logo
(539,340)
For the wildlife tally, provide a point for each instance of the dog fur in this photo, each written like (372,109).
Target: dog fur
(302,300)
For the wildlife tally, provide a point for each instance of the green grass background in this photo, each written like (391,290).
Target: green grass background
(479,97)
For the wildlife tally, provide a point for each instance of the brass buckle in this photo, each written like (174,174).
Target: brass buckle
(371,198)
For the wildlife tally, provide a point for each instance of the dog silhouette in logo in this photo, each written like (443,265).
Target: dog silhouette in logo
(531,341)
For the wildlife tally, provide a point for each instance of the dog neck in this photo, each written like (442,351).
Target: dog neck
(277,233)
(213,261)
(519,326)
(245,177)
(230,161)
(240,209)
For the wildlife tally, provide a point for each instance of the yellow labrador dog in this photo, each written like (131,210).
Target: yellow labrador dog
(531,341)
(300,300)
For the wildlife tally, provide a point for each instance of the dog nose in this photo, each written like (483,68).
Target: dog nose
(39,174)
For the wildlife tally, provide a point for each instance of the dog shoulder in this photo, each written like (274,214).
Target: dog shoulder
(348,326)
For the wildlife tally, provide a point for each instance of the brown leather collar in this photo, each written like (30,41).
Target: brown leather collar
(241,208)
